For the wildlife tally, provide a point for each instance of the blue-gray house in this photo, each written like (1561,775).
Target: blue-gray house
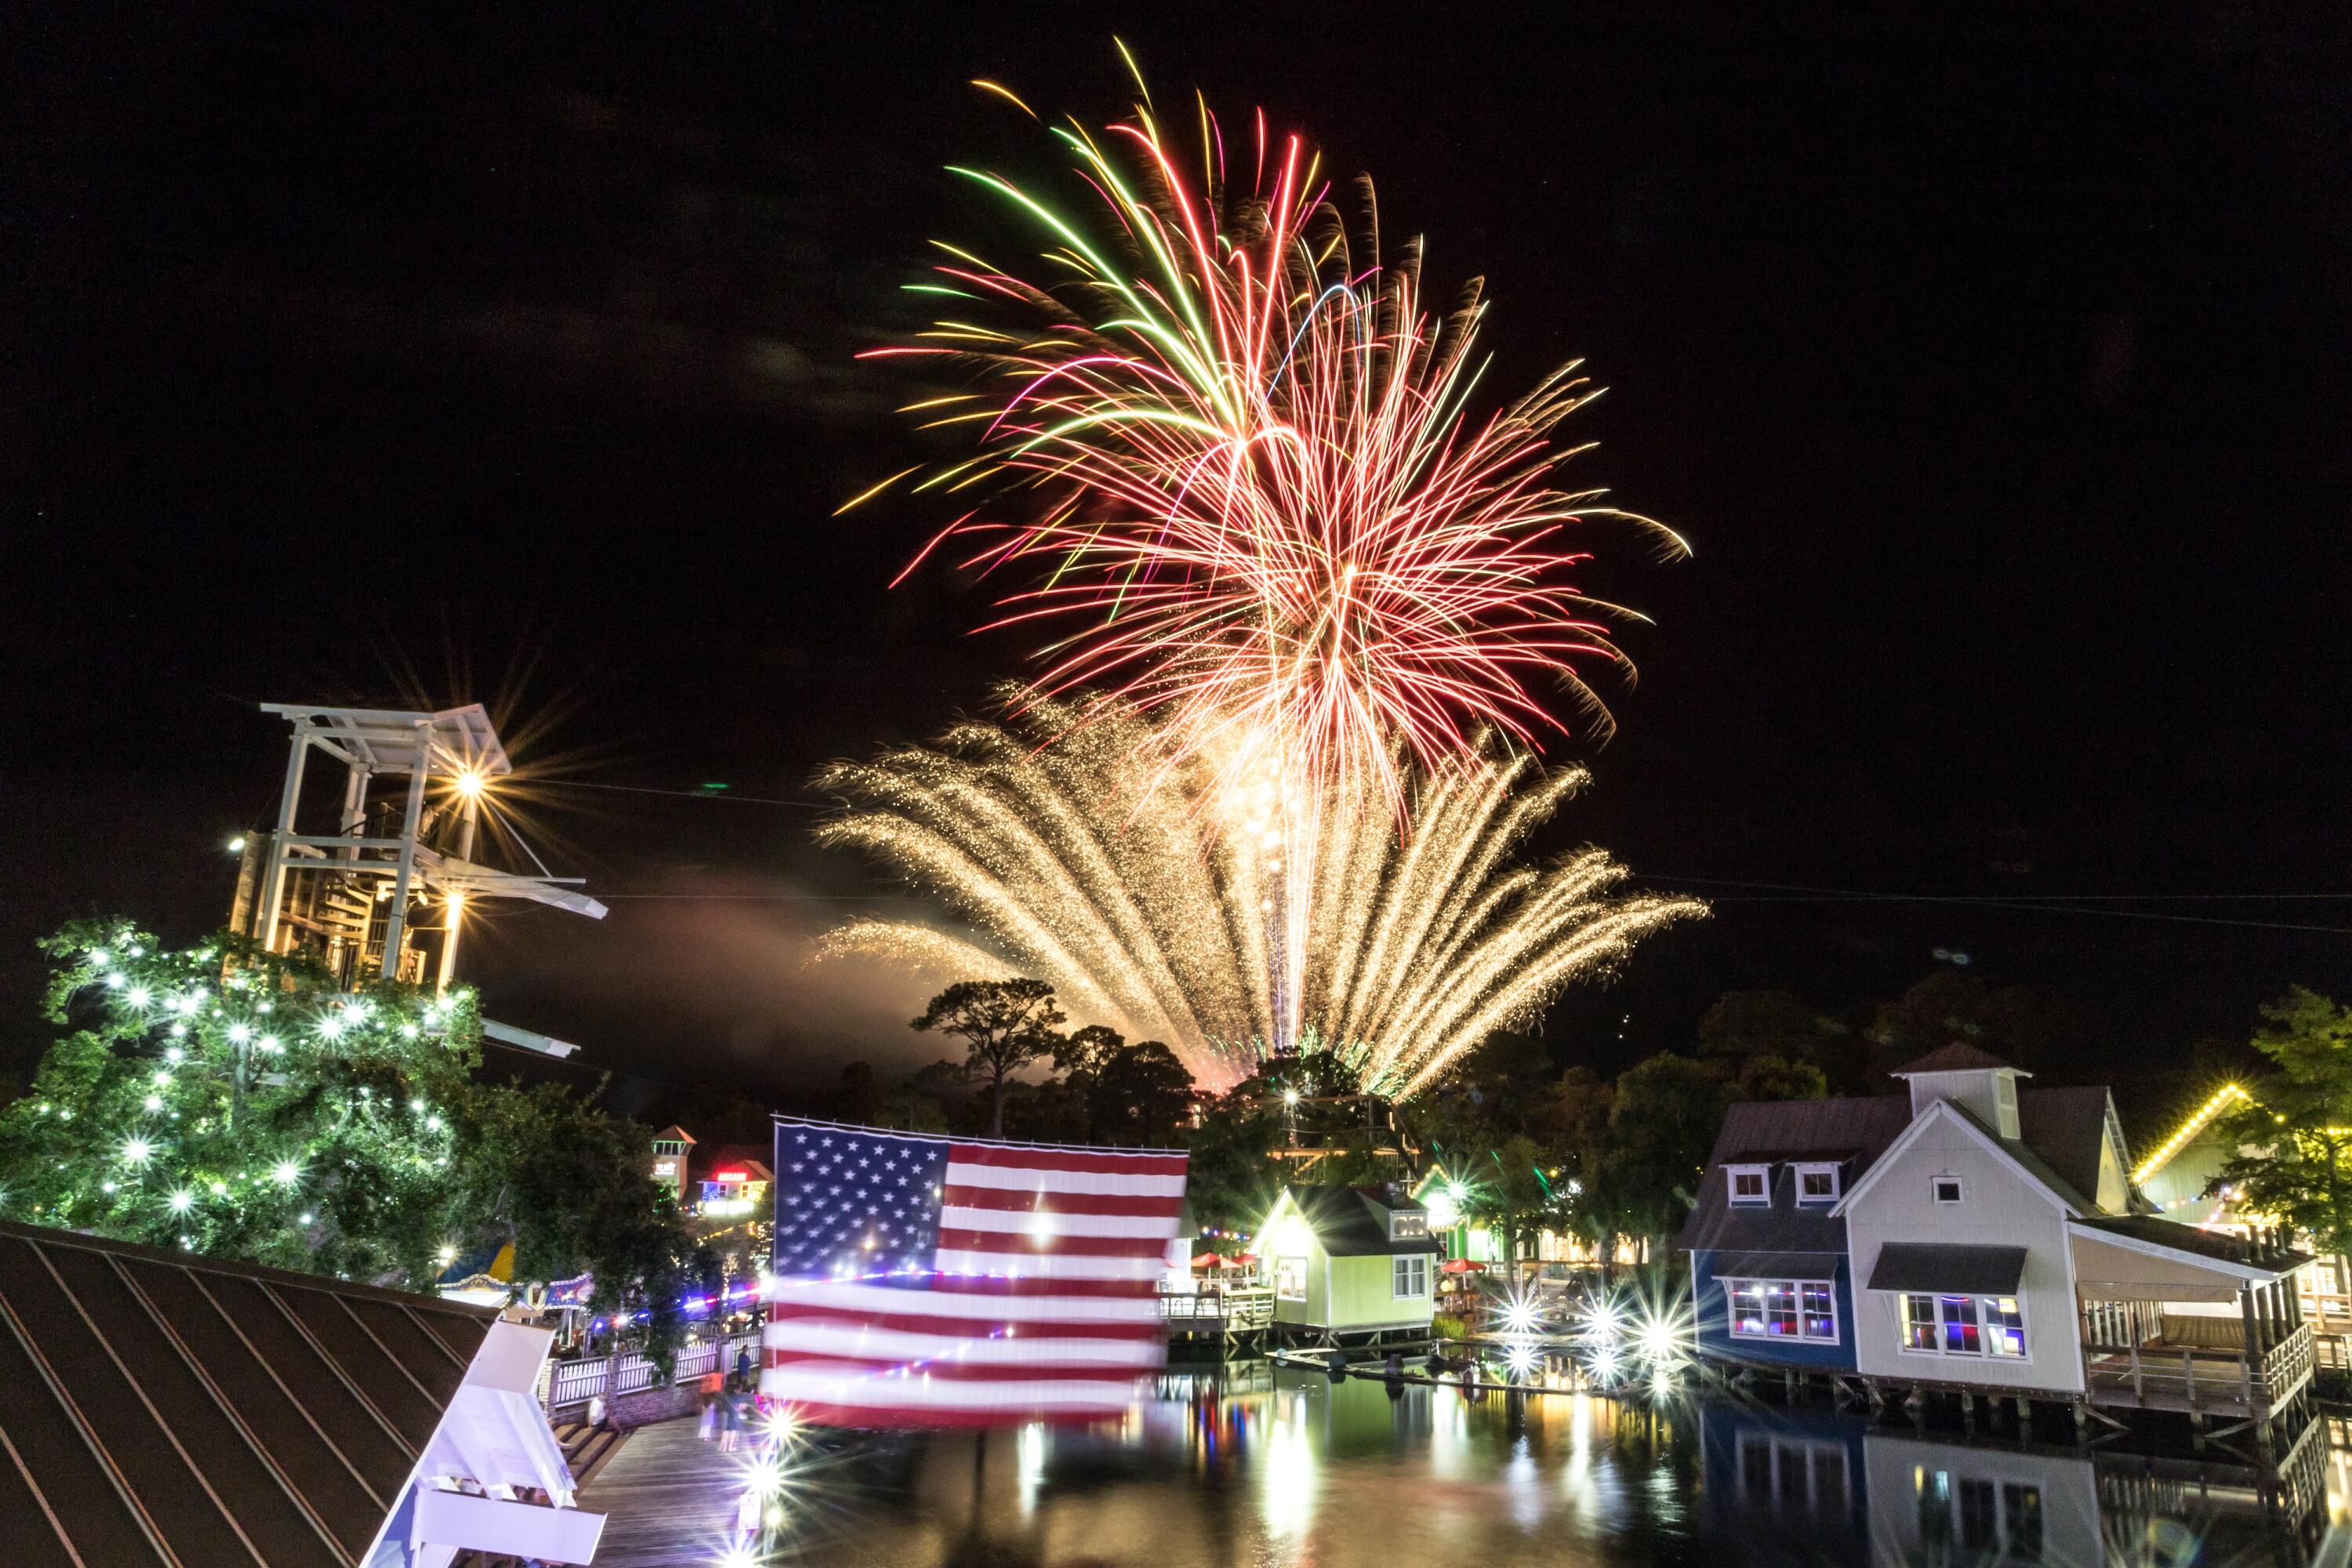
(1768,1276)
(1769,1243)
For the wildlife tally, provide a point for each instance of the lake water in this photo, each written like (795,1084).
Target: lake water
(1255,1467)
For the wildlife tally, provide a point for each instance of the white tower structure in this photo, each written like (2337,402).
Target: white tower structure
(397,862)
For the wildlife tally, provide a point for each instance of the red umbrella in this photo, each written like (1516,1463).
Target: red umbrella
(1207,1260)
(1242,1259)
(1461,1266)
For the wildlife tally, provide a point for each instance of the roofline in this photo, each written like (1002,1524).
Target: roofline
(51,1235)
(2250,1271)
(1945,1109)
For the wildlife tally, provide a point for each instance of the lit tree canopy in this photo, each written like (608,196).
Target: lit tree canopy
(234,1102)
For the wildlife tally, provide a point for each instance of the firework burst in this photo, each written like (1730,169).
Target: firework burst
(1238,448)
(1088,864)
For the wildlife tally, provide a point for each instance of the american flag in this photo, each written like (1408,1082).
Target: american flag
(948,1282)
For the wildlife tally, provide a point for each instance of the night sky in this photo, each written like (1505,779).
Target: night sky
(1996,372)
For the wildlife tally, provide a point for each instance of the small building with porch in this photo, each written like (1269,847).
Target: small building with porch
(1350,1267)
(1979,1238)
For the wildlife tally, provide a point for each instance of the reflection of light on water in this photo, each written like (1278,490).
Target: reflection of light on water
(1030,1449)
(1289,1475)
(1523,1484)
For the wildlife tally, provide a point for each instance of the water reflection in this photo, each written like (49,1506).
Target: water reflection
(1254,1466)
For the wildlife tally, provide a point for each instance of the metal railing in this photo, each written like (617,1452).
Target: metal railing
(564,1383)
(1244,1308)
(2202,1377)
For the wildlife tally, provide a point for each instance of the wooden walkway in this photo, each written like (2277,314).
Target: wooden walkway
(668,1500)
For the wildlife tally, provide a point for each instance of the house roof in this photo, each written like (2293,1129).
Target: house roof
(1352,1222)
(2219,1247)
(1958,1057)
(164,1408)
(1854,1131)
(673,1134)
(747,1157)
(2067,1128)
(2062,1132)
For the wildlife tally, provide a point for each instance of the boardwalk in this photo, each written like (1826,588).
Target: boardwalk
(668,1497)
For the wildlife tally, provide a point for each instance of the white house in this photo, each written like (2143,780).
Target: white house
(1996,1243)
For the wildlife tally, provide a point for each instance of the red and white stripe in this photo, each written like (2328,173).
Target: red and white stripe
(1042,1305)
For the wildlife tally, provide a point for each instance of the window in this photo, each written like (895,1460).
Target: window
(1408,1226)
(1290,1279)
(1751,1184)
(1817,1183)
(1947,1189)
(2004,1326)
(1410,1274)
(1782,1309)
(1963,1325)
(2020,1509)
(1789,1475)
(1918,1323)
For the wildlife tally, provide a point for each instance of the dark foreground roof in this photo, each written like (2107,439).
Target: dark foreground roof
(161,1408)
(1351,1221)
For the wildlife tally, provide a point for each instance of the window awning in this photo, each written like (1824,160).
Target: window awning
(1777,1266)
(1944,1266)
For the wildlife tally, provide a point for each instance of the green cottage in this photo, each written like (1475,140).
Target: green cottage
(1352,1267)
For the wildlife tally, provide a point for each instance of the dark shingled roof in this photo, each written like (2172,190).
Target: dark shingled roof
(2067,1127)
(1957,1057)
(1855,1131)
(165,1408)
(1351,1221)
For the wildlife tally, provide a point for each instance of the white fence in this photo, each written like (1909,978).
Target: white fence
(574,1383)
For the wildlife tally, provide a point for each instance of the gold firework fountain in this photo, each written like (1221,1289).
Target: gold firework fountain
(1099,864)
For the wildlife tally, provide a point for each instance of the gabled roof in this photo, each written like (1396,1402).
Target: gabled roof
(2068,1128)
(167,1408)
(1352,1222)
(1851,1131)
(2012,1153)
(673,1134)
(1958,1057)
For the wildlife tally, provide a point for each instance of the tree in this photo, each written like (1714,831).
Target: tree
(1229,1181)
(570,1188)
(224,1100)
(2022,1025)
(1778,1077)
(1138,1094)
(2294,1138)
(1662,1125)
(1746,1024)
(228,1101)
(1004,1025)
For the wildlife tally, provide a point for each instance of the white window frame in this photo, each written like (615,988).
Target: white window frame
(1763,1173)
(1292,1266)
(1819,1168)
(1409,1276)
(1408,1226)
(1936,1190)
(1797,1287)
(1983,1353)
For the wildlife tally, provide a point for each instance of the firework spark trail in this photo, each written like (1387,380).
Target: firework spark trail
(1240,450)
(1088,865)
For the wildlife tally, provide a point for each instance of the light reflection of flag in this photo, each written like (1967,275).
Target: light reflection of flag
(945,1282)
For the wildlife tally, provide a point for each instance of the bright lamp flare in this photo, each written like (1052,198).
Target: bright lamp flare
(1079,869)
(1237,447)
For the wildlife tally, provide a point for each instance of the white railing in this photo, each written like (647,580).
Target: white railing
(572,1383)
